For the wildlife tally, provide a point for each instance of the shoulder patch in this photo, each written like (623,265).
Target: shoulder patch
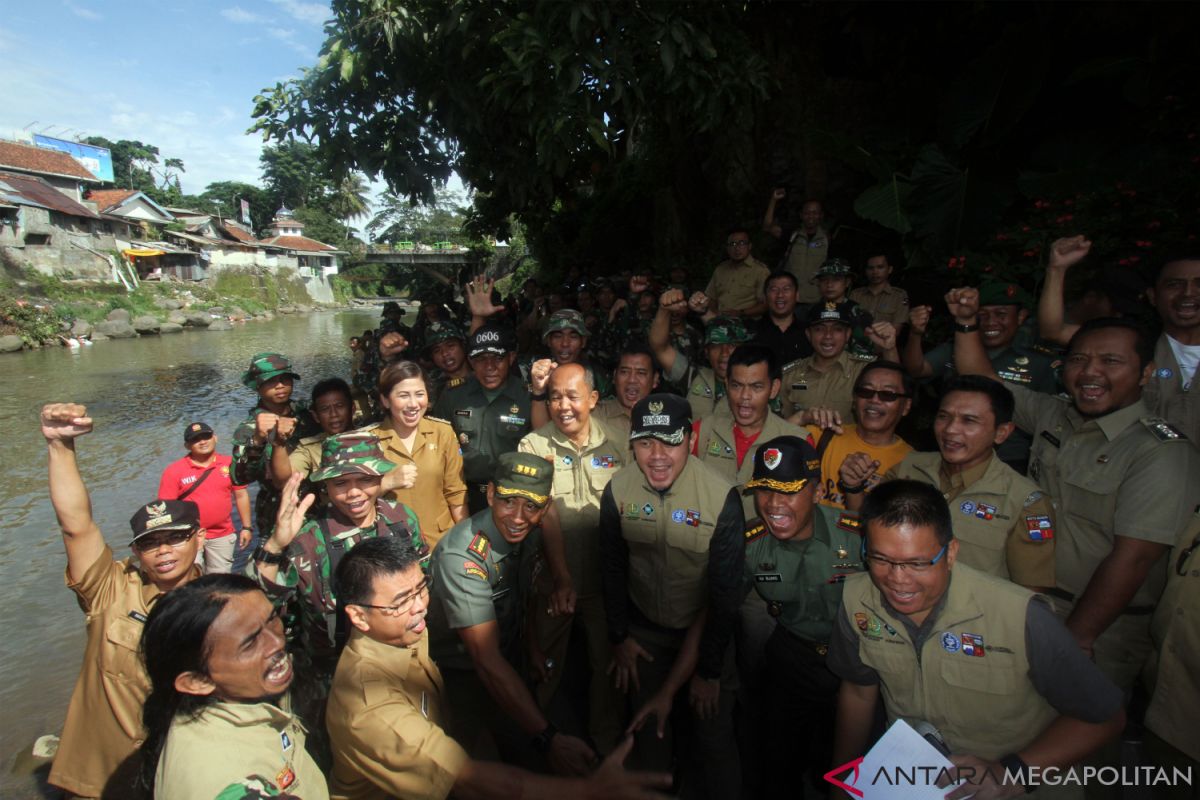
(480,545)
(1033,498)
(755,530)
(1163,430)
(438,419)
(473,570)
(848,521)
(455,382)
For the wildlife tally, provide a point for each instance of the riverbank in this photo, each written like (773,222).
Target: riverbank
(41,311)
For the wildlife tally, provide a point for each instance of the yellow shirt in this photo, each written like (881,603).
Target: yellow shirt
(841,446)
(438,460)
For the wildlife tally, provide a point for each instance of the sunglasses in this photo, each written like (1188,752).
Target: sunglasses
(885,395)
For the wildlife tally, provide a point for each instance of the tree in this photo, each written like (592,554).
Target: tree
(399,219)
(350,200)
(293,174)
(319,224)
(230,195)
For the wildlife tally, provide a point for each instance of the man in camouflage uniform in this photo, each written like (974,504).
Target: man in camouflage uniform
(445,346)
(275,421)
(301,555)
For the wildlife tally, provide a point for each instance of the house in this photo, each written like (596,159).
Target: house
(132,206)
(45,227)
(313,258)
(54,167)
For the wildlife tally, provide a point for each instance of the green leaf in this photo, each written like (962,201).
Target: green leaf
(885,203)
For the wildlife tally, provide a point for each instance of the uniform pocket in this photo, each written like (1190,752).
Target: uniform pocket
(1092,496)
(119,658)
(973,674)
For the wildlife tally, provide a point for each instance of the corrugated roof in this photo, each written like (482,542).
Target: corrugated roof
(26,158)
(31,190)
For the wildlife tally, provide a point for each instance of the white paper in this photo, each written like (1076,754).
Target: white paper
(902,766)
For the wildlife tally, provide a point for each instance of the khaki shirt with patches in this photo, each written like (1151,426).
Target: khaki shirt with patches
(306,458)
(1175,706)
(804,256)
(1004,525)
(232,749)
(580,475)
(717,448)
(616,418)
(805,386)
(736,286)
(385,718)
(888,305)
(1165,396)
(438,461)
(1124,474)
(104,720)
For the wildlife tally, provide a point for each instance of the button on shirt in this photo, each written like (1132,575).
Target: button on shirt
(806,386)
(486,428)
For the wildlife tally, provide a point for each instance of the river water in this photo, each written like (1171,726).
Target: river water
(141,393)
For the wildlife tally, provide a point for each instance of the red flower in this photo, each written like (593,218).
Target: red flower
(1065,218)
(1000,237)
(1068,202)
(1025,229)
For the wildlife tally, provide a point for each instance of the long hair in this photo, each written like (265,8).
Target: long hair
(175,641)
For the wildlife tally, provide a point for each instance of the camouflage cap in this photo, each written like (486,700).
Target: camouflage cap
(165,515)
(565,319)
(726,330)
(784,464)
(523,475)
(264,367)
(998,293)
(830,311)
(440,331)
(832,268)
(354,452)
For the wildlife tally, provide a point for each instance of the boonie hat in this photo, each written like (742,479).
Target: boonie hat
(666,417)
(523,475)
(830,311)
(349,453)
(197,430)
(726,330)
(165,515)
(997,293)
(565,319)
(264,367)
(832,268)
(784,464)
(491,339)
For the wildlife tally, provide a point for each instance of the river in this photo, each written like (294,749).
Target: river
(141,393)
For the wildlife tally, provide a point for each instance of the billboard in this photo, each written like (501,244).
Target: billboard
(96,160)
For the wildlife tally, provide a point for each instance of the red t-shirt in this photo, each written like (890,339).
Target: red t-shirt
(741,442)
(214,495)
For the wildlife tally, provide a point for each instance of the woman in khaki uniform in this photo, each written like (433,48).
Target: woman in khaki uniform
(409,438)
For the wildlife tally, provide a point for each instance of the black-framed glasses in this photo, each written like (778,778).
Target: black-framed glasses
(1184,555)
(882,564)
(886,395)
(152,542)
(405,603)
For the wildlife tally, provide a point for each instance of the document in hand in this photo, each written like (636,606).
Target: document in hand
(902,765)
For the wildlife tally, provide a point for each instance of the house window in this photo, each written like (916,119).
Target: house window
(37,238)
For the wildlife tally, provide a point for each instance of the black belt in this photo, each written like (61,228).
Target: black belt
(1132,611)
(820,648)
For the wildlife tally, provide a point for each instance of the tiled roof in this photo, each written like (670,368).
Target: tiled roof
(241,234)
(30,190)
(26,158)
(299,243)
(106,199)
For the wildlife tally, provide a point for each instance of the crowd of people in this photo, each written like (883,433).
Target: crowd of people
(629,536)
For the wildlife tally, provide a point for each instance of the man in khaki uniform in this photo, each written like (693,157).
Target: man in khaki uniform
(1175,705)
(982,660)
(879,297)
(637,374)
(386,707)
(332,408)
(725,442)
(808,245)
(584,457)
(97,753)
(1171,391)
(671,547)
(1003,523)
(1123,482)
(736,285)
(826,378)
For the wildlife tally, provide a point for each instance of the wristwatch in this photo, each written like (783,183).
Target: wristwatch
(541,742)
(265,556)
(960,328)
(1016,769)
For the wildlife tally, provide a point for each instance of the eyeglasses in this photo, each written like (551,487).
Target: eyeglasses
(738,243)
(886,395)
(881,564)
(406,603)
(174,538)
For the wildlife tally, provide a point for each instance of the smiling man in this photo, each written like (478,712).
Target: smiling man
(1123,482)
(782,327)
(103,728)
(982,660)
(637,374)
(1171,391)
(219,719)
(333,410)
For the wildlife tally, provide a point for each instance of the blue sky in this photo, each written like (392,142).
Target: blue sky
(175,74)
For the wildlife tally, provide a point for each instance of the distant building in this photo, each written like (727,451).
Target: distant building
(56,168)
(313,258)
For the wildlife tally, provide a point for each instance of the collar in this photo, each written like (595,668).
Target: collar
(595,438)
(149,592)
(1113,424)
(500,547)
(249,715)
(391,660)
(964,479)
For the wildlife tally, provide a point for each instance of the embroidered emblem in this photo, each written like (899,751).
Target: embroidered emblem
(480,545)
(677,516)
(972,645)
(967,507)
(693,518)
(860,619)
(848,522)
(473,570)
(949,642)
(985,512)
(1040,527)
(648,510)
(771,457)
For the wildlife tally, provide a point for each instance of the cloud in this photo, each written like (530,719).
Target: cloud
(80,11)
(288,37)
(239,15)
(307,13)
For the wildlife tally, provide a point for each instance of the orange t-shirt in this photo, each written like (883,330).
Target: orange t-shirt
(841,446)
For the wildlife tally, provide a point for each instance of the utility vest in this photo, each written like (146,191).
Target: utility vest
(972,680)
(983,513)
(718,450)
(667,536)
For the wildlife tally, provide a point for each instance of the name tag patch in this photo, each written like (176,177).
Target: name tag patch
(768,577)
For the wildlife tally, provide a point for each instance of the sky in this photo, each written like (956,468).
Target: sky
(175,74)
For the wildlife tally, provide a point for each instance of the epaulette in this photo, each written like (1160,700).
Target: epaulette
(848,521)
(755,530)
(1163,430)
(1032,498)
(455,382)
(790,364)
(868,357)
(438,419)
(480,545)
